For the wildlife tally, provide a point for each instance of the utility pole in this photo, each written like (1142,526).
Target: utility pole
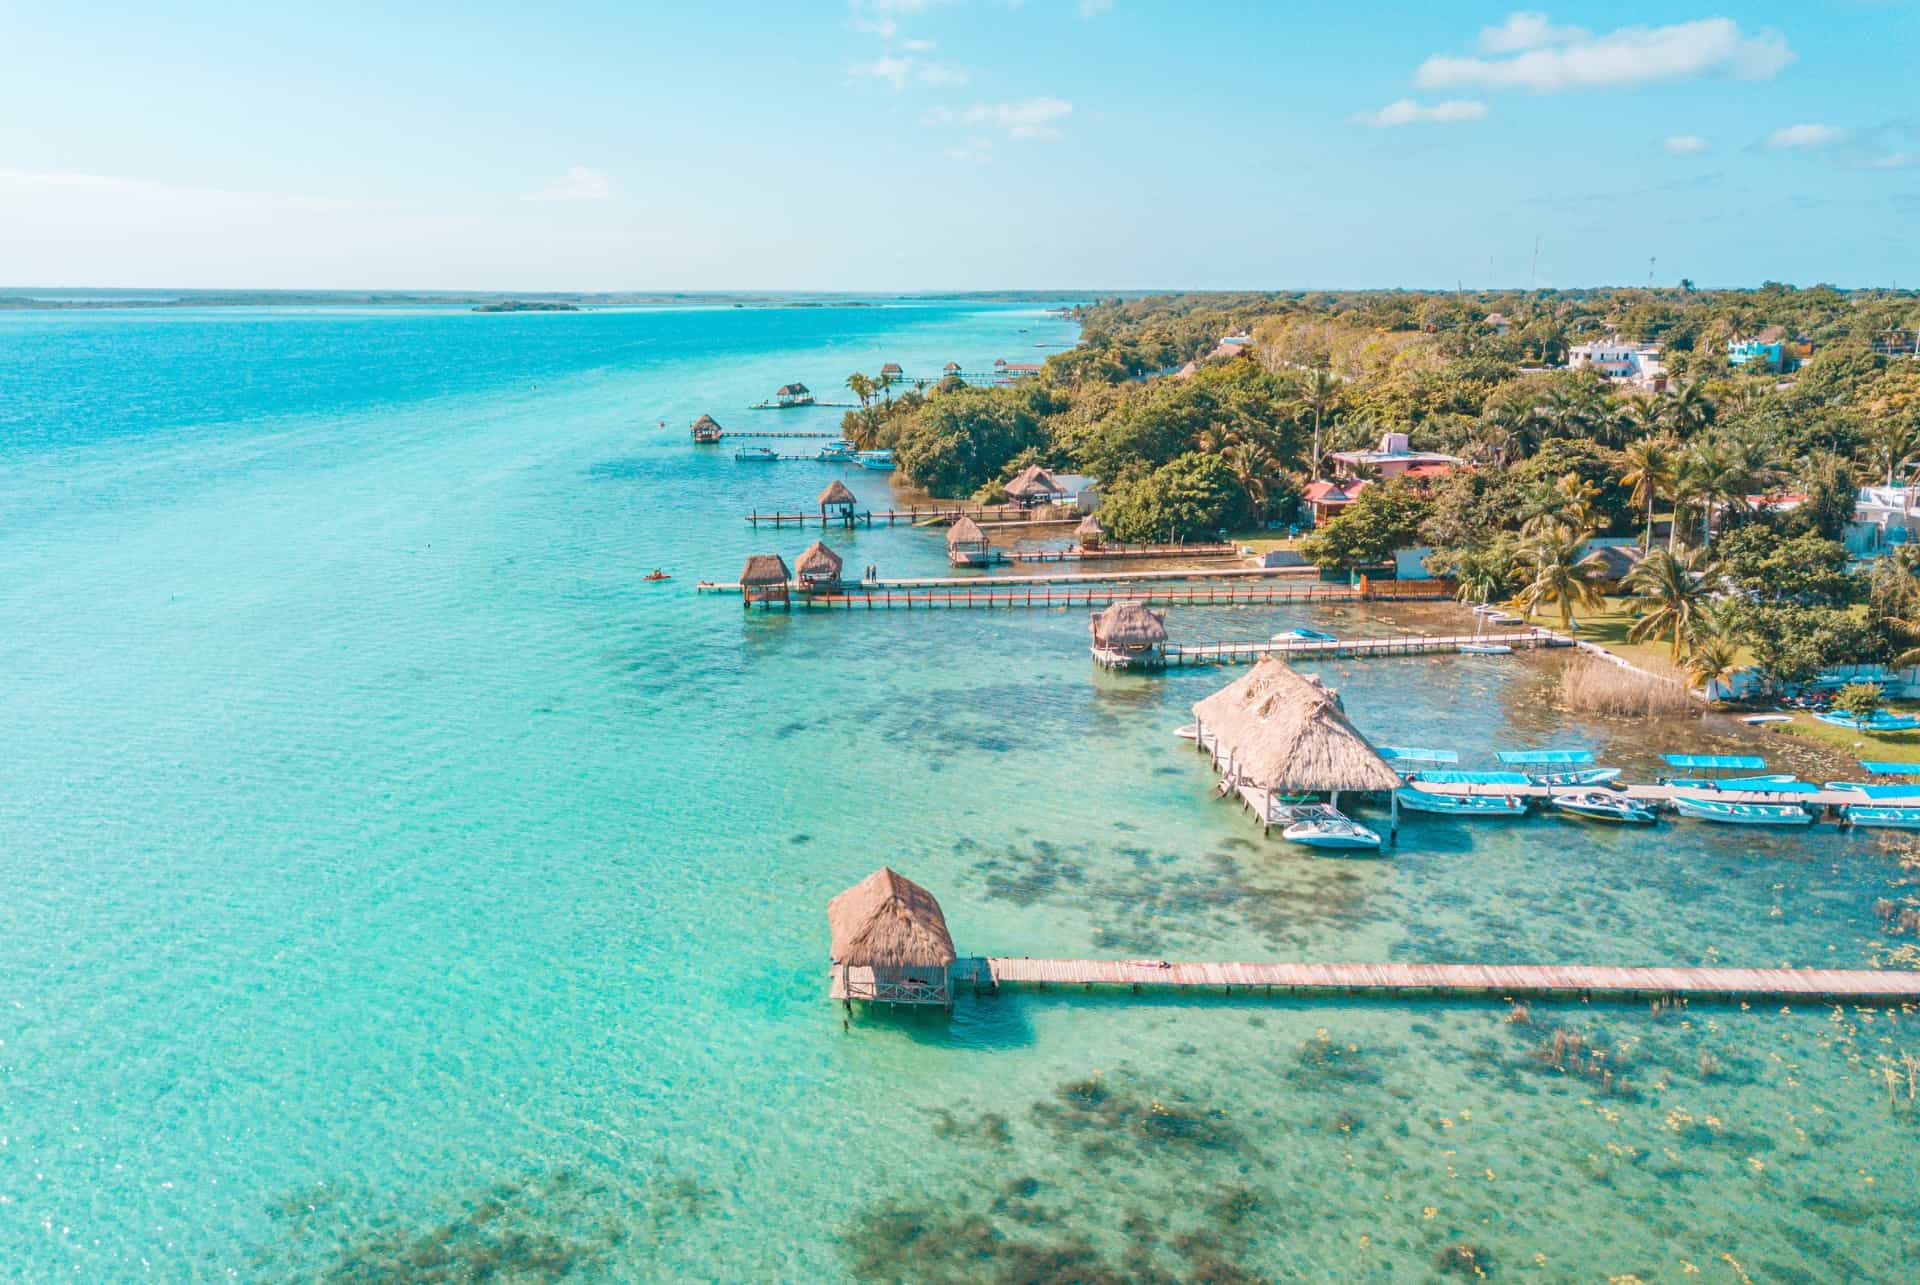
(1650,262)
(1534,271)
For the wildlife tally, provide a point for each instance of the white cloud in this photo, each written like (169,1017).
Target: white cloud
(1629,56)
(1527,30)
(917,46)
(901,72)
(977,152)
(1089,8)
(1893,161)
(1408,112)
(577,184)
(1030,118)
(1687,144)
(895,71)
(1806,136)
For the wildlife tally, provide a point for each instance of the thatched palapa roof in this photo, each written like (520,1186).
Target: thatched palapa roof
(706,421)
(765,569)
(965,531)
(888,921)
(1034,480)
(1286,731)
(836,493)
(891,368)
(1128,624)
(1089,525)
(818,561)
(788,390)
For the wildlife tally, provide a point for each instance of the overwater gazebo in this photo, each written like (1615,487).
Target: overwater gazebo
(840,499)
(765,581)
(1281,732)
(1035,486)
(817,569)
(1090,534)
(890,943)
(967,544)
(1129,636)
(792,395)
(707,429)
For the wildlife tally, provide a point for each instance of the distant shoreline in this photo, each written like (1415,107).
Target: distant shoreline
(21,300)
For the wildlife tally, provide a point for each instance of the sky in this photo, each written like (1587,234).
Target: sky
(892,145)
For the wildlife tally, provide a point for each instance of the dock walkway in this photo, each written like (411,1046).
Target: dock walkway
(1506,981)
(1234,653)
(1050,596)
(1074,578)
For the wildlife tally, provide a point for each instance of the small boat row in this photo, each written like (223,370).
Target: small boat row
(1523,767)
(1588,804)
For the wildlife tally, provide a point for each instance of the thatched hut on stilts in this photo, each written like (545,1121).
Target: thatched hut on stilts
(967,544)
(1090,534)
(1280,732)
(1129,636)
(765,581)
(818,569)
(841,500)
(890,943)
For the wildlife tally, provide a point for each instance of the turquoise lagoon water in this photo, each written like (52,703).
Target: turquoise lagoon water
(397,887)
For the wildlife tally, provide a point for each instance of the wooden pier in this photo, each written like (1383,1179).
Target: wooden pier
(911,516)
(1498,981)
(1117,554)
(1049,596)
(736,433)
(1083,578)
(1236,653)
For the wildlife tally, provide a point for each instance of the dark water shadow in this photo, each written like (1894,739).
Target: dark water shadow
(983,1023)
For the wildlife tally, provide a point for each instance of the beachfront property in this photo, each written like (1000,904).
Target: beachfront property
(792,395)
(1393,459)
(837,503)
(1617,359)
(1324,499)
(1034,487)
(1278,736)
(817,569)
(1897,343)
(890,943)
(967,544)
(1884,518)
(1128,635)
(1012,370)
(765,581)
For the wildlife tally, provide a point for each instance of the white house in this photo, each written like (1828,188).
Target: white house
(1393,459)
(1616,358)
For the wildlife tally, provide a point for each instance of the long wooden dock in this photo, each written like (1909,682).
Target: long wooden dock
(1503,981)
(1235,653)
(911,516)
(1048,596)
(1135,551)
(1080,578)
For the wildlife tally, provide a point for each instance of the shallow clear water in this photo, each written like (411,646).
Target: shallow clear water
(395,883)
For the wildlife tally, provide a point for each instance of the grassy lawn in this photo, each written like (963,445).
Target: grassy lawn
(1608,627)
(1263,541)
(1894,747)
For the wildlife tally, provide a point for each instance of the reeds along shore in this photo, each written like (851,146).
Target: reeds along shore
(1590,685)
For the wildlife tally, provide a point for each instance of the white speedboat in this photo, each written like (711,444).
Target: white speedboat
(1601,805)
(1741,813)
(840,449)
(1321,826)
(1484,649)
(1461,805)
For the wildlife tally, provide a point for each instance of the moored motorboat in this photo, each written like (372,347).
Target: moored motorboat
(1484,649)
(1576,776)
(1883,816)
(878,461)
(1465,805)
(841,449)
(1729,813)
(1322,826)
(1305,635)
(755,455)
(1601,805)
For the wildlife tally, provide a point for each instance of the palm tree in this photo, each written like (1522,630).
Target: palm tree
(1561,576)
(1485,574)
(1711,661)
(1890,443)
(1651,462)
(1689,409)
(1671,590)
(1253,467)
(861,386)
(1319,393)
